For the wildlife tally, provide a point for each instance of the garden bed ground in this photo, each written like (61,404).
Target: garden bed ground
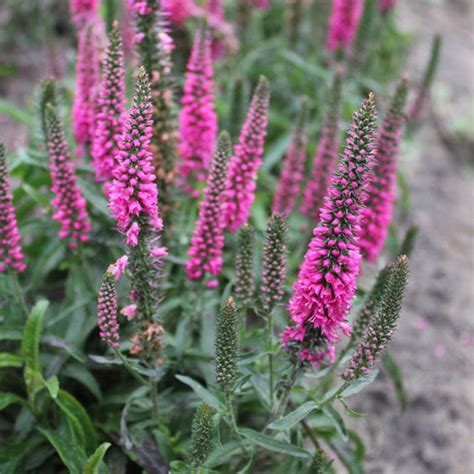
(435,343)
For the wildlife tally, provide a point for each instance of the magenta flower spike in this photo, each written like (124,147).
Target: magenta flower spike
(134,194)
(377,213)
(207,243)
(11,253)
(178,11)
(262,4)
(87,79)
(68,203)
(107,311)
(343,23)
(247,159)
(292,174)
(83,11)
(215,9)
(326,282)
(111,109)
(325,158)
(198,118)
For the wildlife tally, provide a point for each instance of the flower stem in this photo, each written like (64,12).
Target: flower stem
(19,293)
(270,359)
(130,369)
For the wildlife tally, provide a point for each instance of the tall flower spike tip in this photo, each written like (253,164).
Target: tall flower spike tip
(319,463)
(292,174)
(244,271)
(134,194)
(381,191)
(155,46)
(107,316)
(418,107)
(368,311)
(343,23)
(325,158)
(202,434)
(11,254)
(274,263)
(227,347)
(87,78)
(69,204)
(247,159)
(82,11)
(111,108)
(326,282)
(207,243)
(198,118)
(380,332)
(47,95)
(215,10)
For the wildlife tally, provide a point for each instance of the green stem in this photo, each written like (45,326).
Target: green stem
(230,409)
(154,399)
(130,369)
(286,392)
(19,293)
(270,358)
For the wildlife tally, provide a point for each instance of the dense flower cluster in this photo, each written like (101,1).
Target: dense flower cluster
(68,202)
(274,263)
(244,271)
(82,11)
(343,23)
(207,243)
(134,194)
(289,185)
(202,435)
(87,78)
(381,191)
(381,330)
(247,159)
(325,158)
(154,46)
(198,118)
(107,314)
(111,109)
(327,279)
(11,254)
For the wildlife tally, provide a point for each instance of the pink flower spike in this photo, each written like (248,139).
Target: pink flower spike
(293,167)
(134,195)
(386,5)
(205,251)
(439,351)
(343,23)
(198,118)
(118,267)
(377,213)
(11,254)
(211,284)
(178,11)
(87,78)
(130,311)
(107,311)
(82,11)
(262,4)
(246,160)
(68,203)
(326,282)
(111,109)
(325,158)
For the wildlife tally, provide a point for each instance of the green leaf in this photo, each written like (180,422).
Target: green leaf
(7,399)
(79,420)
(357,385)
(272,444)
(80,373)
(395,374)
(294,417)
(10,360)
(52,384)
(69,452)
(338,422)
(225,452)
(201,392)
(14,112)
(350,411)
(13,453)
(95,460)
(30,349)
